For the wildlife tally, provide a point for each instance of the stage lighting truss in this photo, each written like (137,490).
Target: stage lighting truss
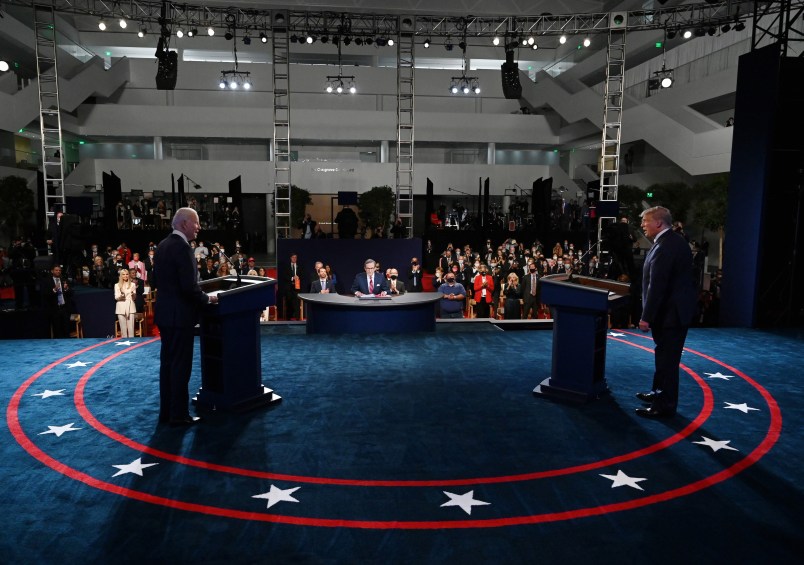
(340,84)
(235,80)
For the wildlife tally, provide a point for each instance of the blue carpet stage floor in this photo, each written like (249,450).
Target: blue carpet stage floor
(406,449)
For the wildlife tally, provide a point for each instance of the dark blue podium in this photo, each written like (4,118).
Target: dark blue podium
(580,307)
(231,369)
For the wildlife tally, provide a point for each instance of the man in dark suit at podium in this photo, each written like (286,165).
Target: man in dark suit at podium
(371,282)
(322,285)
(668,308)
(180,299)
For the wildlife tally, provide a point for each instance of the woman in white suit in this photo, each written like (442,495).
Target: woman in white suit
(124,295)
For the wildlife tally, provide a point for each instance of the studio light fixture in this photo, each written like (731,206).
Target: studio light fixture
(143,31)
(234,79)
(496,40)
(179,33)
(4,66)
(263,37)
(427,43)
(192,32)
(562,40)
(123,23)
(687,34)
(587,42)
(101,25)
(246,40)
(210,31)
(340,83)
(662,78)
(464,84)
(739,26)
(670,33)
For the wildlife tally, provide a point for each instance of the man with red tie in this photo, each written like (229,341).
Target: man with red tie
(371,282)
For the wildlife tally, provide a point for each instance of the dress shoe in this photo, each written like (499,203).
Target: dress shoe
(646,396)
(188,421)
(655,413)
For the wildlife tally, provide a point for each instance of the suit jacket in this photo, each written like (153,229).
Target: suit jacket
(125,301)
(180,297)
(316,286)
(361,283)
(286,277)
(525,279)
(415,280)
(669,298)
(477,285)
(400,287)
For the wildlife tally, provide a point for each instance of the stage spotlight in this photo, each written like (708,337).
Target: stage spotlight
(739,26)
(347,40)
(193,32)
(358,41)
(712,30)
(462,46)
(293,38)
(390,42)
(246,40)
(325,38)
(381,42)
(448,44)
(496,40)
(339,90)
(229,36)
(535,47)
(531,40)
(427,43)
(687,34)
(562,40)
(700,32)
(123,23)
(671,34)
(102,25)
(310,39)
(352,89)
(4,66)
(587,42)
(179,33)
(667,82)
(210,31)
(369,41)
(142,32)
(263,38)
(223,83)
(466,89)
(524,42)
(247,85)
(725,27)
(454,89)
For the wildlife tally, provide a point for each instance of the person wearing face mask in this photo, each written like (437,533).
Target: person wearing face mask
(453,294)
(483,285)
(531,289)
(395,286)
(415,276)
(512,293)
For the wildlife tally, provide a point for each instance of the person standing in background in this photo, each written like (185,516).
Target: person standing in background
(124,307)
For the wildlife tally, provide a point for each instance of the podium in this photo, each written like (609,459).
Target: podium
(231,369)
(580,307)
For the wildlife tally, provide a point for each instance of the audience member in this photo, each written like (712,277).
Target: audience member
(125,292)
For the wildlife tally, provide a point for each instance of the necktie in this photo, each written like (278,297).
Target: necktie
(371,285)
(59,294)
(533,285)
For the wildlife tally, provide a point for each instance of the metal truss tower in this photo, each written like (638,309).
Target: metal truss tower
(281,139)
(49,108)
(405,71)
(612,116)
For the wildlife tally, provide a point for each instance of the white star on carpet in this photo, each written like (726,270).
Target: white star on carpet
(278,495)
(78,364)
(465,501)
(124,343)
(719,376)
(58,430)
(135,467)
(616,334)
(715,445)
(623,480)
(744,408)
(49,393)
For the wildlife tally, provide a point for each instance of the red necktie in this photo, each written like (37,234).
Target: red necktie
(371,285)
